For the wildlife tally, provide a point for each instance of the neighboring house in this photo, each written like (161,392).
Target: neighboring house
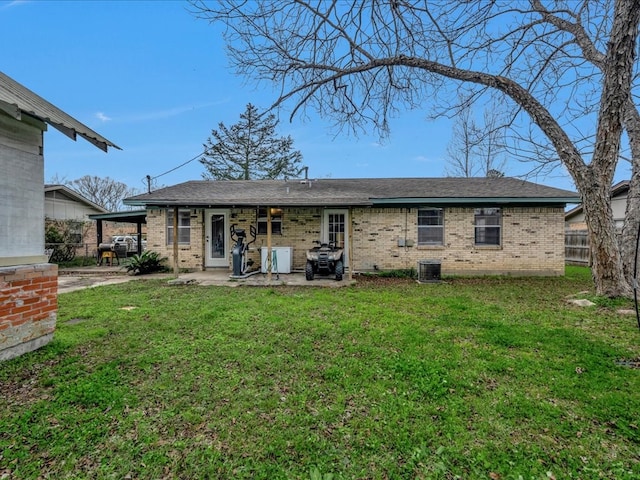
(64,206)
(28,284)
(574,218)
(471,225)
(63,203)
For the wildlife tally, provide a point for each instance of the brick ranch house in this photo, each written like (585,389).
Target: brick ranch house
(28,284)
(473,226)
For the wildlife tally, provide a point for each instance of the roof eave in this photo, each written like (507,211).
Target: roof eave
(18,100)
(225,204)
(475,200)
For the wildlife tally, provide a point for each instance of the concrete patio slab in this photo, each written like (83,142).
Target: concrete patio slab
(71,279)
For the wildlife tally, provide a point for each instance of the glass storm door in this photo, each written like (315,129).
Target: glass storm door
(216,238)
(336,230)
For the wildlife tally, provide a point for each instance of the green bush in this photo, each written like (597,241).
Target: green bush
(62,238)
(147,262)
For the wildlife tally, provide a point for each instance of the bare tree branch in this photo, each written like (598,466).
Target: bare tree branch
(103,191)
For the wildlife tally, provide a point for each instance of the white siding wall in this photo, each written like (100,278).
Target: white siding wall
(60,207)
(619,205)
(21,194)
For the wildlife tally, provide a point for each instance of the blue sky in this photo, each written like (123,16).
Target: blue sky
(154,80)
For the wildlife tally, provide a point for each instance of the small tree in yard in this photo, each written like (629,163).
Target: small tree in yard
(566,66)
(250,150)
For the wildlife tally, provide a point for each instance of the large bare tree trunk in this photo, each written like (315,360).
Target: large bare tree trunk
(606,270)
(627,243)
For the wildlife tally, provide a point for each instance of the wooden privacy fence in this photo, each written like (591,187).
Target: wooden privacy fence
(576,247)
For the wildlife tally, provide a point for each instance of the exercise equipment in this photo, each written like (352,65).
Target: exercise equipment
(242,264)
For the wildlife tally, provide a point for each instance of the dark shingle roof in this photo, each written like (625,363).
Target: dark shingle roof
(16,99)
(355,191)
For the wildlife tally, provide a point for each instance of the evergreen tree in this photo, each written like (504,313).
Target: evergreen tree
(250,150)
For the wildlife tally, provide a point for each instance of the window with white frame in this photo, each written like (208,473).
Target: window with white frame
(487,223)
(430,226)
(184,226)
(276,221)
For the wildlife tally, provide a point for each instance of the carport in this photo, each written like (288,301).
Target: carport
(139,217)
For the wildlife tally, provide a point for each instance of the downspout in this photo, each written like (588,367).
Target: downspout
(406,229)
(269,265)
(350,232)
(176,266)
(205,243)
(406,226)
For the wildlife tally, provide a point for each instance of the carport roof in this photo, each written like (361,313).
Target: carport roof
(131,216)
(355,192)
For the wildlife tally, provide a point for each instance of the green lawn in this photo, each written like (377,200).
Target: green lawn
(495,378)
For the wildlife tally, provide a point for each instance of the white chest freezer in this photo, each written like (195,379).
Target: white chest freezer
(281,259)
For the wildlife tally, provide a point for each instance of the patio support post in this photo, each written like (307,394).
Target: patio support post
(176,266)
(99,232)
(139,231)
(269,261)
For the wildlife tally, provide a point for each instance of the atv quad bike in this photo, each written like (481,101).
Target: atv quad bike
(325,259)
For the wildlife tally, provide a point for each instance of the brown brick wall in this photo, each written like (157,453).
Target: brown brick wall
(300,227)
(191,255)
(532,242)
(532,239)
(28,307)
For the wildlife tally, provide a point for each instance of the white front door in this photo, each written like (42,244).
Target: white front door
(216,243)
(335,229)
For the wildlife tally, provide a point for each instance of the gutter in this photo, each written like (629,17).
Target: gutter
(475,201)
(398,201)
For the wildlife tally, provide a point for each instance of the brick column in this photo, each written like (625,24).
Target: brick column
(28,307)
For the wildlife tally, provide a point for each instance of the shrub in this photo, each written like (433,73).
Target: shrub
(61,238)
(147,262)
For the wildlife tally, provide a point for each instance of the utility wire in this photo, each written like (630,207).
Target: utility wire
(179,166)
(148,179)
